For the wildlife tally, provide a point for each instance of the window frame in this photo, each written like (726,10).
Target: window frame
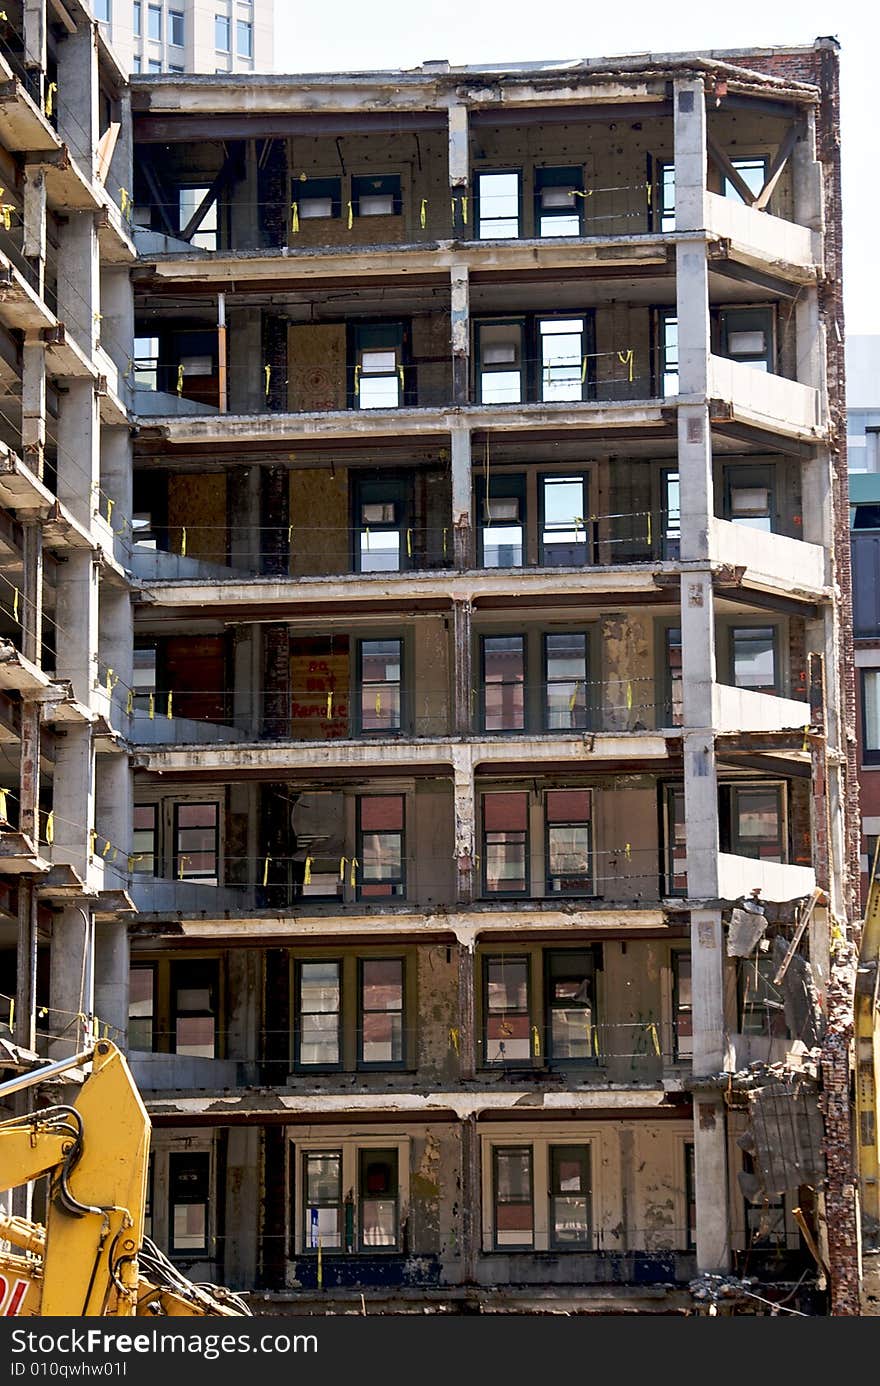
(549,954)
(136,965)
(387,336)
(478,196)
(741,629)
(221,20)
(349,1147)
(574,728)
(175,1013)
(518,367)
(196,1252)
(152,12)
(394,190)
(554,1150)
(215,879)
(589,891)
(173,27)
(299,1065)
(401,881)
(487,960)
(505,486)
(730,810)
(547,172)
(338,1203)
(508,1247)
(366,1248)
(517,894)
(522,636)
(681,1054)
(550,478)
(401,727)
(720,322)
(371,1066)
(246,26)
(870,754)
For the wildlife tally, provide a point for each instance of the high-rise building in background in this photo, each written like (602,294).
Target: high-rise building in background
(189,35)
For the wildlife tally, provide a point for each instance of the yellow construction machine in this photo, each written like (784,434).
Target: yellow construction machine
(91,1258)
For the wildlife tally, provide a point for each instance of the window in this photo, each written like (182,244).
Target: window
(154,65)
(500,362)
(378,1193)
(570,1189)
(563,359)
(136,18)
(381,515)
(318,1014)
(194,988)
(571,1035)
(146,363)
(197,843)
(318,820)
(378,370)
(141,1007)
(176,28)
(317,198)
(189,1178)
(671,516)
(136,63)
(569,841)
(498,206)
(221,33)
(682,1004)
(753,822)
(376,197)
(244,38)
(748,497)
(674,712)
(563,524)
(753,172)
(381,846)
(558,201)
(668,353)
(154,22)
(101,10)
(565,681)
(506,843)
(666,191)
(352,1195)
(746,335)
(870,715)
(380,1027)
(507,1031)
(503,660)
(690,1195)
(512,1196)
(145,656)
(322,1206)
(676,842)
(753,658)
(172,67)
(503,521)
(144,840)
(379,670)
(189,199)
(762,1010)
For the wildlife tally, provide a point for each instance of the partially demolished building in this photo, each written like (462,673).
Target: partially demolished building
(494,840)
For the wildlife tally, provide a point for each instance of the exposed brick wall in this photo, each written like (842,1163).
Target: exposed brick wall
(276,681)
(821,67)
(272,192)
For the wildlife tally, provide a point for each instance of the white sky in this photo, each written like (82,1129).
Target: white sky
(351,35)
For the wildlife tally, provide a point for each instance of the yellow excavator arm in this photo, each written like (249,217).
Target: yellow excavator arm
(91,1258)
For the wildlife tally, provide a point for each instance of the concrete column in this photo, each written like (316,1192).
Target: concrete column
(245,985)
(78,94)
(244,518)
(459,159)
(77,621)
(71,979)
(34,242)
(78,279)
(116,326)
(25,1028)
(809,209)
(33,403)
(247,389)
(32,592)
(111,977)
(466,1028)
(116,483)
(79,458)
(246,681)
(242,1206)
(465,849)
(115,647)
(461,335)
(113,816)
(462,659)
(690,154)
(73,798)
(245,208)
(462,487)
(34,17)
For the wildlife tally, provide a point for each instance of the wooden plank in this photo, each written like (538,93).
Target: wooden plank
(105,151)
(807,915)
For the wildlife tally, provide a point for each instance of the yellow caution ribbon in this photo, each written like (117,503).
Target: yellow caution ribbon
(168,712)
(806,745)
(4,816)
(12,998)
(627,358)
(536,1042)
(330,703)
(180,865)
(352,879)
(342,865)
(93,841)
(50,92)
(350,216)
(267,371)
(629,695)
(423,213)
(107,845)
(649,529)
(357,380)
(378,704)
(444,542)
(627,851)
(152,707)
(453,205)
(453,1038)
(655,1039)
(15,604)
(6,211)
(50,827)
(307,873)
(110,505)
(110,681)
(573,699)
(183,543)
(266,872)
(294,209)
(180,370)
(125,202)
(464,208)
(409,543)
(129,702)
(584,369)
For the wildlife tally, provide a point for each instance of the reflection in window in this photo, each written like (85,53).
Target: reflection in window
(565,665)
(189,200)
(377,1181)
(381,846)
(668,354)
(673,671)
(378,380)
(189,1177)
(570,1018)
(498,204)
(507,1027)
(563,364)
(512,1190)
(563,523)
(505,842)
(194,999)
(197,842)
(381,1011)
(558,201)
(754,658)
(500,362)
(144,842)
(570,1196)
(682,1004)
(141,1007)
(503,682)
(380,662)
(322,1205)
(757,821)
(569,841)
(319,1004)
(501,533)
